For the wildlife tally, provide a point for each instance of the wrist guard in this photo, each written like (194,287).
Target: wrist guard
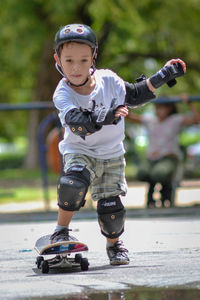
(105,116)
(167,75)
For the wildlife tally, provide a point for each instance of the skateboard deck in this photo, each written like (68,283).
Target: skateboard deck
(61,252)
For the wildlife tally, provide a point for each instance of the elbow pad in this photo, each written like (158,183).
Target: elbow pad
(138,93)
(80,122)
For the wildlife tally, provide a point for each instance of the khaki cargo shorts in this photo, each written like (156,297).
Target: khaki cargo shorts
(107,176)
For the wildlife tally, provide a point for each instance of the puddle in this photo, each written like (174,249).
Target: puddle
(134,294)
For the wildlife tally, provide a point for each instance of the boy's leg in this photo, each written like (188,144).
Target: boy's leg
(64,217)
(72,189)
(111,217)
(111,213)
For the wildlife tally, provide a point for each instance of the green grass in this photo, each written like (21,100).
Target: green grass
(25,194)
(23,174)
(20,185)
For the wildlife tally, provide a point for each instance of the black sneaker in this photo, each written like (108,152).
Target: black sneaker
(118,254)
(62,236)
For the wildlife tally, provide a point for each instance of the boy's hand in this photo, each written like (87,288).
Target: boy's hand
(172,69)
(176,60)
(122,111)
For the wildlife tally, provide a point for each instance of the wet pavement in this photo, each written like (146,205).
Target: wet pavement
(135,294)
(164,253)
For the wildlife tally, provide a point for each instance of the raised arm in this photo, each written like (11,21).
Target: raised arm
(142,91)
(194,118)
(134,118)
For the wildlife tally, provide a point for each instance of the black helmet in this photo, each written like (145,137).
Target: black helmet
(77,33)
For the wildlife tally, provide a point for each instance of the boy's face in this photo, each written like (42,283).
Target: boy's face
(76,60)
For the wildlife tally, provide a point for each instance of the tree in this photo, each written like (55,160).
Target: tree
(134,37)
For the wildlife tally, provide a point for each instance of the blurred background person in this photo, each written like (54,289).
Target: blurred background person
(164,153)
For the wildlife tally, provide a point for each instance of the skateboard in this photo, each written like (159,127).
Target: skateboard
(61,252)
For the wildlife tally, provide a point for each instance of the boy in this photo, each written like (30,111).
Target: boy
(92,106)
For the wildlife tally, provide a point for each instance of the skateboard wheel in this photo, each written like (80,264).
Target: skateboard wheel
(39,260)
(78,258)
(84,264)
(45,266)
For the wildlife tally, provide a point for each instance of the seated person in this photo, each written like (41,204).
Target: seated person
(163,153)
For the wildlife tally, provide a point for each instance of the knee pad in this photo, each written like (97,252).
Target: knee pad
(73,187)
(111,216)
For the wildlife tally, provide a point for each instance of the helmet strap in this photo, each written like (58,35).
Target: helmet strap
(59,69)
(77,85)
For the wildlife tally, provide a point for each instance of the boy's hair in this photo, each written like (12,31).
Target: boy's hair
(59,50)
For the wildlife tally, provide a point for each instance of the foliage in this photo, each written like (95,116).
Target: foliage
(11,160)
(134,37)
